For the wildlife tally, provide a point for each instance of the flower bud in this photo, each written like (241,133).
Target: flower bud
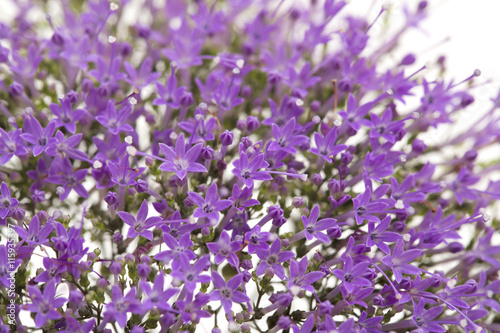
(297,202)
(72,96)
(252,123)
(143,270)
(18,213)
(315,106)
(111,199)
(455,247)
(43,217)
(186,99)
(226,138)
(325,308)
(129,259)
(317,179)
(117,238)
(221,165)
(241,125)
(115,268)
(87,84)
(141,186)
(470,155)
(207,153)
(408,59)
(334,232)
(16,89)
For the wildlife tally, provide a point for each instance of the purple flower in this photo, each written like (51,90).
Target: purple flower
(6,201)
(142,77)
(65,115)
(45,304)
(227,293)
(191,275)
(379,236)
(210,206)
(192,310)
(299,279)
(200,129)
(122,173)
(11,144)
(313,227)
(65,147)
(247,170)
(241,198)
(364,209)
(257,239)
(169,93)
(181,161)
(35,235)
(273,259)
(141,224)
(225,249)
(178,249)
(157,296)
(399,261)
(6,266)
(37,136)
(286,139)
(326,147)
(115,121)
(117,309)
(424,318)
(61,173)
(352,275)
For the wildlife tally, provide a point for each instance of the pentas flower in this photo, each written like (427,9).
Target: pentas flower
(157,295)
(352,275)
(179,160)
(122,173)
(65,147)
(227,293)
(6,201)
(286,138)
(326,147)
(36,234)
(40,138)
(178,248)
(61,173)
(170,94)
(399,260)
(141,224)
(248,170)
(115,121)
(44,304)
(379,236)
(65,115)
(191,274)
(299,278)
(11,143)
(274,259)
(225,249)
(313,227)
(120,305)
(210,206)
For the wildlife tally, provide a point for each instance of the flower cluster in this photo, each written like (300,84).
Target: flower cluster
(253,166)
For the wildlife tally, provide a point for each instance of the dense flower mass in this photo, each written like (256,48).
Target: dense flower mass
(254,166)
